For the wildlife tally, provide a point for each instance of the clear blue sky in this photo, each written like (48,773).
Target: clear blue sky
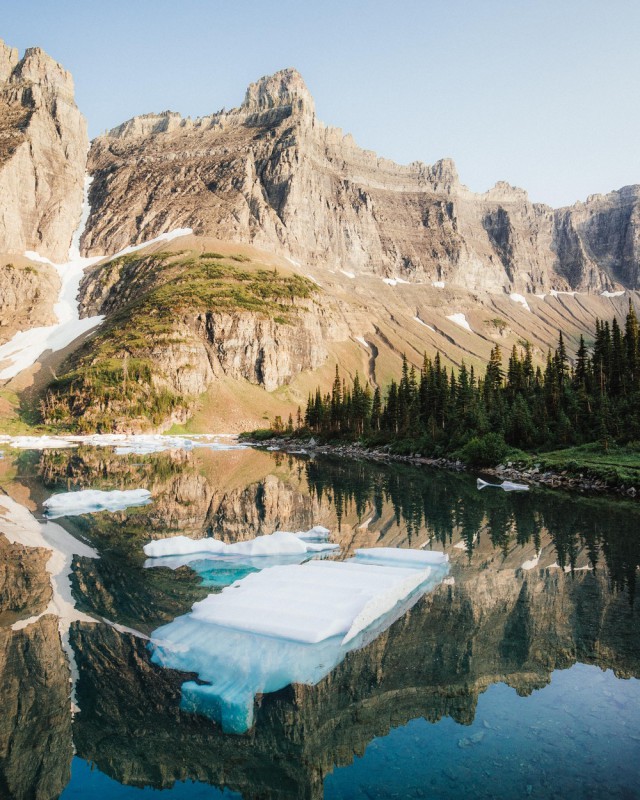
(542,93)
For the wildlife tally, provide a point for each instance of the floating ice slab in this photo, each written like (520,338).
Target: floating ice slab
(139,444)
(89,501)
(402,557)
(280,543)
(285,624)
(508,486)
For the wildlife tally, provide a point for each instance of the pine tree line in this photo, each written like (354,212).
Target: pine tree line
(436,411)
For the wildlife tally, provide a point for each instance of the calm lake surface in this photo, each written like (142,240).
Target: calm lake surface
(516,676)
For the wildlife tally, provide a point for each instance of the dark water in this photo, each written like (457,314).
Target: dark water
(516,677)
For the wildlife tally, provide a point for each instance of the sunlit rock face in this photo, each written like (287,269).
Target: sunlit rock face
(43,147)
(25,588)
(270,173)
(35,723)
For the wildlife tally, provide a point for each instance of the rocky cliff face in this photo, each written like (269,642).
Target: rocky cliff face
(27,294)
(43,147)
(35,725)
(270,173)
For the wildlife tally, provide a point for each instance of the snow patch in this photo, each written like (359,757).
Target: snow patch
(531,563)
(362,341)
(460,320)
(21,527)
(393,281)
(438,284)
(417,319)
(89,501)
(518,298)
(348,274)
(611,294)
(24,349)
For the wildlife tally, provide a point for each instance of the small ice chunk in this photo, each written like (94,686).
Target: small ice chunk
(460,320)
(89,501)
(508,486)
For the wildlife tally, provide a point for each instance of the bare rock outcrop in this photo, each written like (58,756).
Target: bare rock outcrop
(270,173)
(43,148)
(27,294)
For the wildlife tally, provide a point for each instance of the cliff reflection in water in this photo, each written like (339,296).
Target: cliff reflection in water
(539,581)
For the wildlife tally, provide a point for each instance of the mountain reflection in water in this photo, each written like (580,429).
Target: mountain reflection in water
(539,582)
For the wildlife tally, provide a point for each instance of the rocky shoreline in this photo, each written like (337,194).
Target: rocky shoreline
(530,475)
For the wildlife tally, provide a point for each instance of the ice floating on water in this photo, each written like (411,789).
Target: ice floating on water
(508,486)
(222,568)
(280,543)
(286,624)
(141,444)
(401,556)
(460,320)
(89,501)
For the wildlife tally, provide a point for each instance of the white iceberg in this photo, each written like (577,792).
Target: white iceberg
(508,486)
(280,543)
(89,501)
(286,624)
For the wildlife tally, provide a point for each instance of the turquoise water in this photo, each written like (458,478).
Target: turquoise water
(577,737)
(516,677)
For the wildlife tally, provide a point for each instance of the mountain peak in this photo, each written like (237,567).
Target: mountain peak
(282,89)
(8,60)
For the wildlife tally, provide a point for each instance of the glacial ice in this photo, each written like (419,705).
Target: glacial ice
(280,543)
(287,624)
(508,486)
(89,501)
